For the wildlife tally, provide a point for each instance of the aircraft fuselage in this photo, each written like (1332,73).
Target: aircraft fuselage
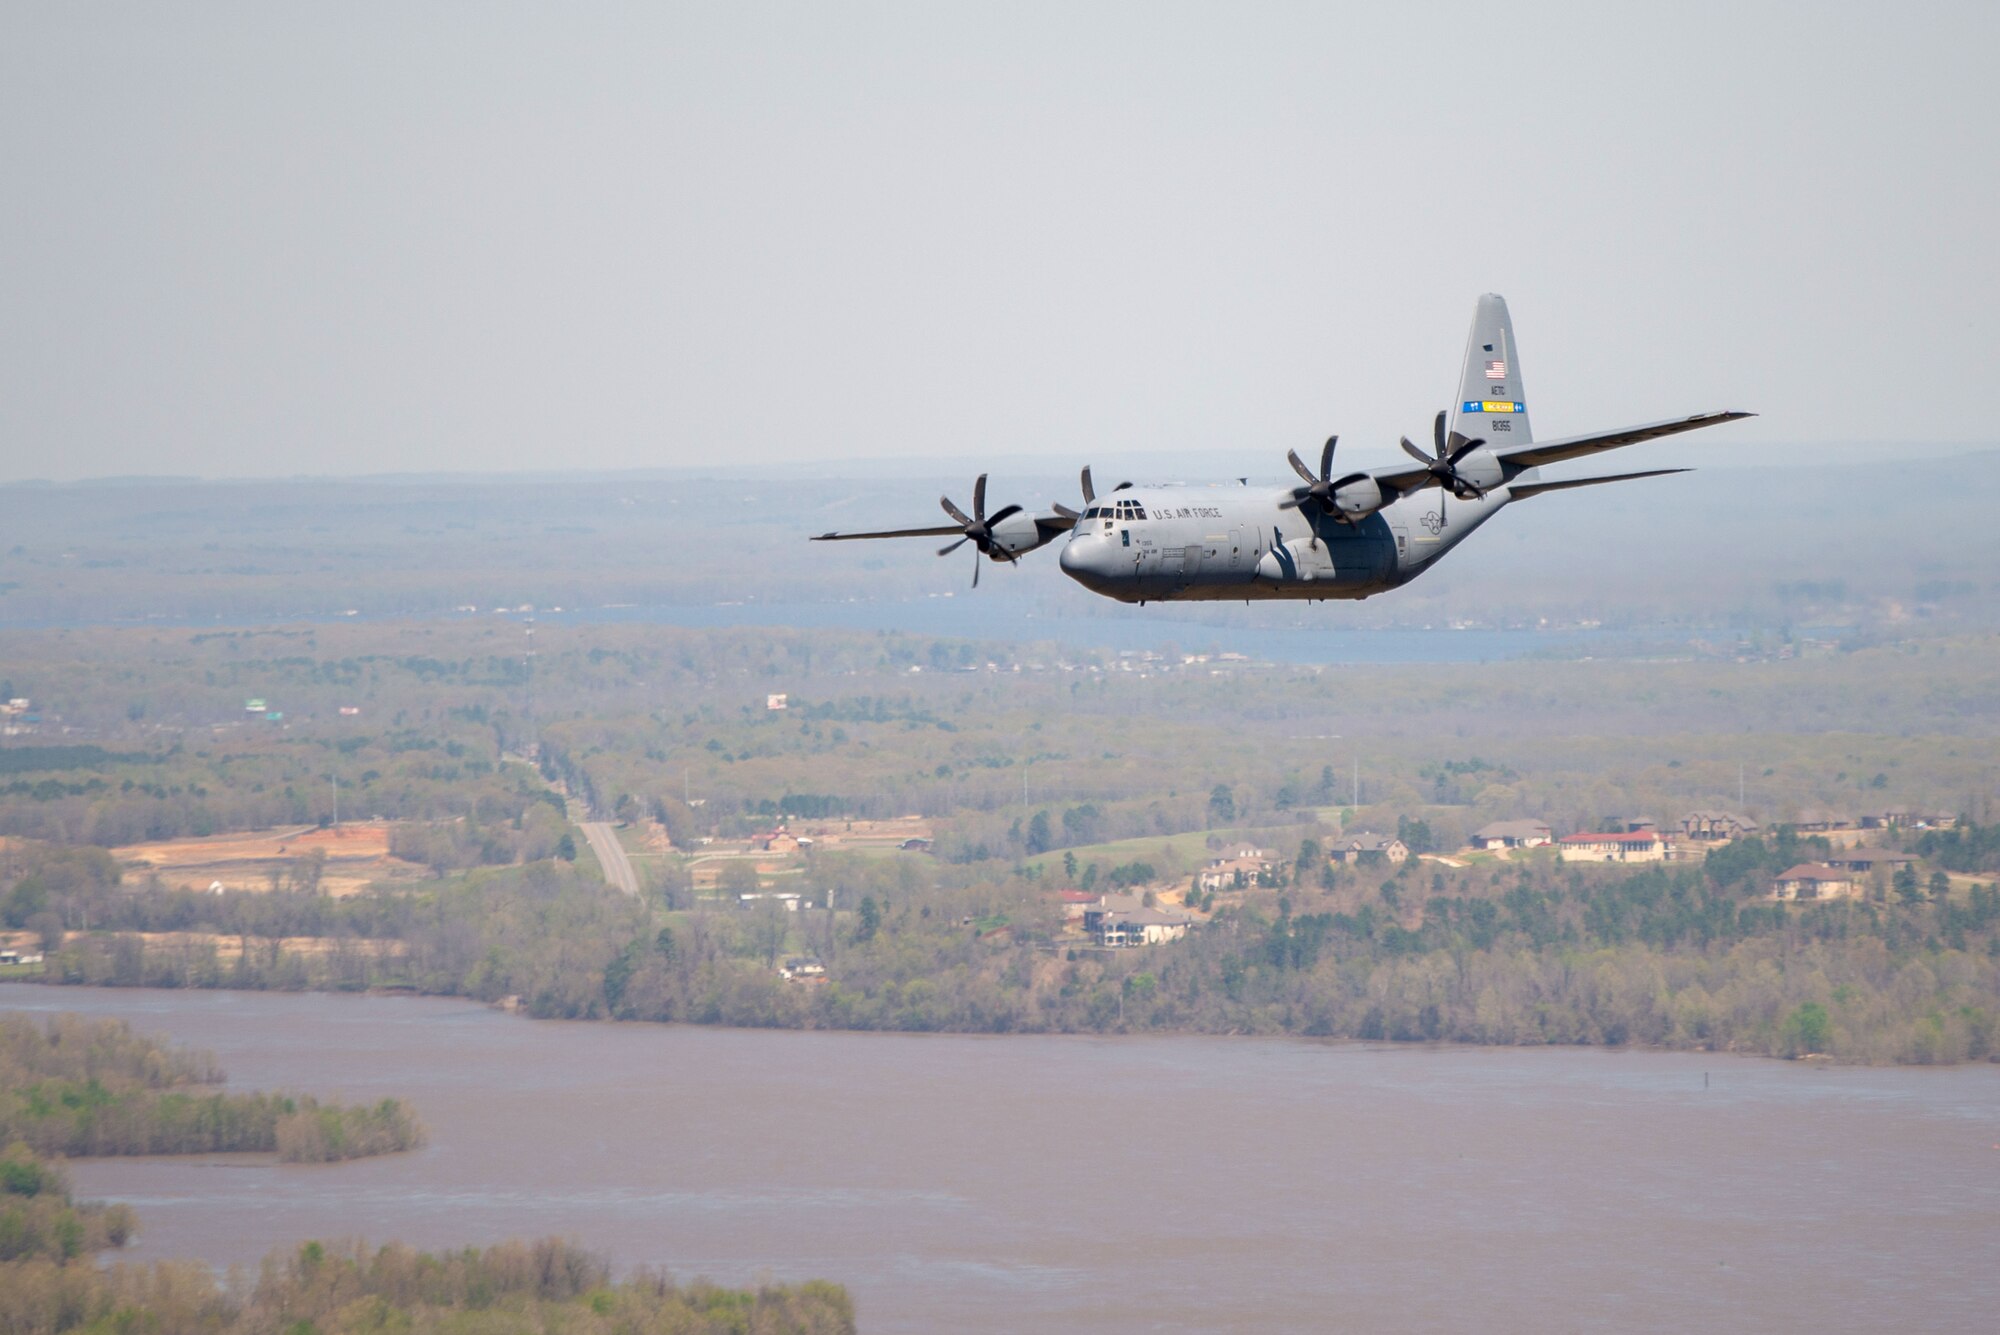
(1147,544)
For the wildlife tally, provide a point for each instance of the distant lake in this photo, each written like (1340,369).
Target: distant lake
(1117,1184)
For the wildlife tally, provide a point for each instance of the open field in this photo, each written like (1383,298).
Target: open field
(355,857)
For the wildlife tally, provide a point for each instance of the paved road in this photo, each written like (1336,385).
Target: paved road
(611,856)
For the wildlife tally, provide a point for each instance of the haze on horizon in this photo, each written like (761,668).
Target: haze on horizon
(245,240)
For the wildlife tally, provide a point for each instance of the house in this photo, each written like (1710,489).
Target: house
(918,845)
(1865,860)
(1614,846)
(1815,880)
(1905,818)
(1717,826)
(788,898)
(1095,912)
(1818,820)
(1234,873)
(1247,853)
(1366,846)
(1628,824)
(779,840)
(1138,927)
(802,968)
(1505,834)
(776,701)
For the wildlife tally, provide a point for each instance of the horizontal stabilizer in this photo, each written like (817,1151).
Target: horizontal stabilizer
(1521,491)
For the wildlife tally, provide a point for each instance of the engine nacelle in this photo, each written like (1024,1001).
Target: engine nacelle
(1021,532)
(1357,497)
(1482,469)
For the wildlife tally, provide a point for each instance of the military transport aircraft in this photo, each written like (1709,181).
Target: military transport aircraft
(1346,536)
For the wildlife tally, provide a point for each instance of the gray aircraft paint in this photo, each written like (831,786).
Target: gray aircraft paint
(1180,543)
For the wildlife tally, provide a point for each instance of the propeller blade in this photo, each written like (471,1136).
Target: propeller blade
(1416,453)
(1089,492)
(951,547)
(956,513)
(979,497)
(975,569)
(1064,510)
(1004,512)
(1292,502)
(1299,466)
(1466,448)
(1326,459)
(1437,433)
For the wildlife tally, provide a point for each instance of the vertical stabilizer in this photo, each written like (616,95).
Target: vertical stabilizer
(1492,401)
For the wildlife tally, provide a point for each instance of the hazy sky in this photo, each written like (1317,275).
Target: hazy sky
(290,238)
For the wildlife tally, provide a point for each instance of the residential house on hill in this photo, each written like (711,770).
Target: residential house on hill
(1904,818)
(1717,826)
(1137,927)
(1236,869)
(1614,846)
(1505,834)
(1366,846)
(1815,880)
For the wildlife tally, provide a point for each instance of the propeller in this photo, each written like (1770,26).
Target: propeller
(1319,490)
(978,527)
(1443,468)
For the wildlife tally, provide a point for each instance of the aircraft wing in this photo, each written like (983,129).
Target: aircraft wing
(1405,478)
(941,531)
(1540,452)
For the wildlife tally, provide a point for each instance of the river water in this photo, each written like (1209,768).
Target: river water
(1122,1184)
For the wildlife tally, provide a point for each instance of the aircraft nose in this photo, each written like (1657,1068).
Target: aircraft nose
(1087,559)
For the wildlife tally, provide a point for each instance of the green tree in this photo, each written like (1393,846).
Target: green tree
(869,921)
(566,847)
(1940,887)
(1906,884)
(1806,1029)
(1040,838)
(1221,805)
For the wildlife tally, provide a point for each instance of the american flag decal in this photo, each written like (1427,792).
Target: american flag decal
(1496,370)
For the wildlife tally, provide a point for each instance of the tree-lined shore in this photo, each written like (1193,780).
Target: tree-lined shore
(1534,953)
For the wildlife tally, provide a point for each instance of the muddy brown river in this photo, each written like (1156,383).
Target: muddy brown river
(1119,1184)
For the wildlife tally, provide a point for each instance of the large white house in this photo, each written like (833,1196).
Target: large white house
(1631,846)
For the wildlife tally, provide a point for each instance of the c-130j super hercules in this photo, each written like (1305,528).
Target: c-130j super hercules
(1346,536)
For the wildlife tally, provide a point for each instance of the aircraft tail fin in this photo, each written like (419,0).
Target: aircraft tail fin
(1491,401)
